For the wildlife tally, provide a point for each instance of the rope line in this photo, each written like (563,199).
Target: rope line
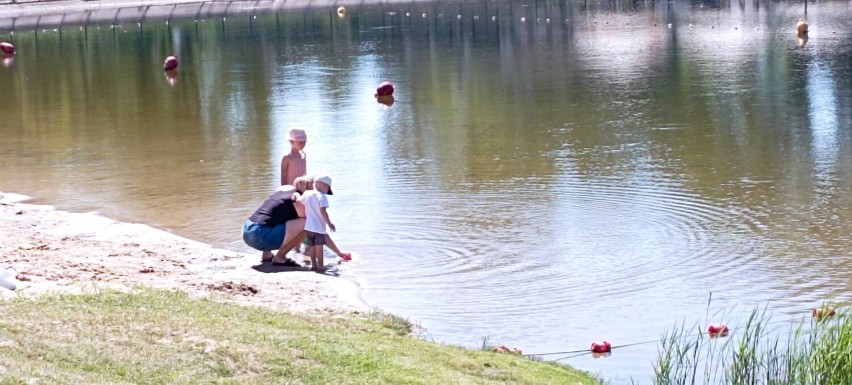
(573,356)
(581,352)
(555,353)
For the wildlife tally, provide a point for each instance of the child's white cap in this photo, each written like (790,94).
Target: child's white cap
(324,179)
(298,135)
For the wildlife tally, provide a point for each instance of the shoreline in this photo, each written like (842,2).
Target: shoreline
(70,252)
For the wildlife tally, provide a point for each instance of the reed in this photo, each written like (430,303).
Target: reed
(815,352)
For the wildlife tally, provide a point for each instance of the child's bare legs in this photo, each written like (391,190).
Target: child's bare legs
(266,256)
(312,254)
(316,257)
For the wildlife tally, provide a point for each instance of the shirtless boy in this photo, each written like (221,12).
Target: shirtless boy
(294,163)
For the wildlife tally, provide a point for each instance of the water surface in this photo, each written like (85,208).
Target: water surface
(550,173)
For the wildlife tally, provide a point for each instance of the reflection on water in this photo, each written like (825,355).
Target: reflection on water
(546,174)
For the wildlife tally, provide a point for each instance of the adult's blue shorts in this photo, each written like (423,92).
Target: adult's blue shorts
(263,238)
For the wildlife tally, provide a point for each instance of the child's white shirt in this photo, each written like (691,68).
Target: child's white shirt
(313,201)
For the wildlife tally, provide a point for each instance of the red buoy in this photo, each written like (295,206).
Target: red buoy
(170,63)
(7,47)
(823,313)
(385,89)
(717,330)
(601,347)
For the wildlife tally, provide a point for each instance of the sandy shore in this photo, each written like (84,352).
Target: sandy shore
(56,251)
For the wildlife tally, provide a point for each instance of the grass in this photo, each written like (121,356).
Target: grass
(818,352)
(164,337)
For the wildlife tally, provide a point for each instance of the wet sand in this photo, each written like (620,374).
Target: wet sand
(57,251)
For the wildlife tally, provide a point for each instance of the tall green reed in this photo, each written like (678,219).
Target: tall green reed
(756,353)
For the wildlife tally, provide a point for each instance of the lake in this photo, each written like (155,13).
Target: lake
(549,174)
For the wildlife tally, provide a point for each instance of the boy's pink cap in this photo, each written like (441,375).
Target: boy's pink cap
(298,135)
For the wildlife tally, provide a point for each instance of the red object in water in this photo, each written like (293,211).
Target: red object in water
(170,63)
(719,330)
(601,347)
(7,47)
(384,89)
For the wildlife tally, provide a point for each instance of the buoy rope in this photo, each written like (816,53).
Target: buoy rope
(580,352)
(573,356)
(554,353)
(587,350)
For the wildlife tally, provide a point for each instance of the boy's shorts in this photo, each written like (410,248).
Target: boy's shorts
(263,238)
(315,239)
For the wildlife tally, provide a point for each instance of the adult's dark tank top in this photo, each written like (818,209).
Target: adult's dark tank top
(275,210)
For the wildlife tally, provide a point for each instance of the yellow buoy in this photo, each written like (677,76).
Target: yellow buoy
(802,26)
(823,313)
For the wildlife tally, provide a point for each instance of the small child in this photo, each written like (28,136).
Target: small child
(294,163)
(316,203)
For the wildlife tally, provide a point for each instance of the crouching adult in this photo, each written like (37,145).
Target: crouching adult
(279,224)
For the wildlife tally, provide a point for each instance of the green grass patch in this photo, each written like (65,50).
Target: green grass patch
(164,337)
